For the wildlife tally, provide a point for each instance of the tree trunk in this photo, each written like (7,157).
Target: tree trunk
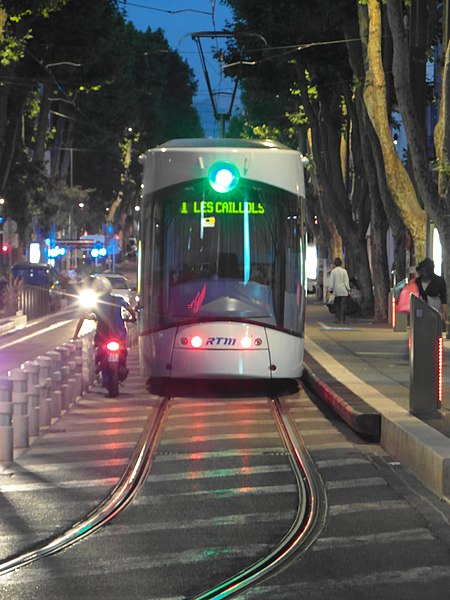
(42,123)
(380,270)
(397,178)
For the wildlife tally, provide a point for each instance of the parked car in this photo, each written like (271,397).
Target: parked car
(40,274)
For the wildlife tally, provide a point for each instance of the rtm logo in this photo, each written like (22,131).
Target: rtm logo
(220,341)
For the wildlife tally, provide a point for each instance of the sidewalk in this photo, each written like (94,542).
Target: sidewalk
(362,370)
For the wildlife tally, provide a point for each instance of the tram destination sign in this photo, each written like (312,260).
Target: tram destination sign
(221,207)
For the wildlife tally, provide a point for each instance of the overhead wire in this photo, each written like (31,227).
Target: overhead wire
(163,10)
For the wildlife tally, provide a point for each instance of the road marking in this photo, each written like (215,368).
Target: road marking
(106,566)
(342,484)
(147,527)
(335,327)
(388,537)
(224,436)
(241,452)
(223,423)
(341,462)
(319,589)
(225,521)
(357,507)
(45,450)
(217,473)
(217,494)
(93,432)
(39,487)
(39,332)
(381,353)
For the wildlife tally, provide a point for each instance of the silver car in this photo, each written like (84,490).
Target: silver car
(120,286)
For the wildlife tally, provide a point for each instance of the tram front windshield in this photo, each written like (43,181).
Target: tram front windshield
(235,256)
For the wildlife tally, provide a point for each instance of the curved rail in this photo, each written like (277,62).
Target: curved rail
(123,493)
(308,523)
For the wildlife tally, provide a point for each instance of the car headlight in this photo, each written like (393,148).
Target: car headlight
(87,298)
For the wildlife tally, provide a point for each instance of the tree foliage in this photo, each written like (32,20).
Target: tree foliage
(82,93)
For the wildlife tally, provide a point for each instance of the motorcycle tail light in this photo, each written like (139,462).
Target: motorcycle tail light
(113,346)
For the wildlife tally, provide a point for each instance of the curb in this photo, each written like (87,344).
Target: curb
(414,443)
(362,418)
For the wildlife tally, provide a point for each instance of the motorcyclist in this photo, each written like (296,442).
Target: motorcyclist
(108,314)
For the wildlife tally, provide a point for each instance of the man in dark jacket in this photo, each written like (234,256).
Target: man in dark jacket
(432,288)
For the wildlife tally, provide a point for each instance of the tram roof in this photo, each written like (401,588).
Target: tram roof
(223,143)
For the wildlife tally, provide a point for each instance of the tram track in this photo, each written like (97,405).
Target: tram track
(309,519)
(119,498)
(306,526)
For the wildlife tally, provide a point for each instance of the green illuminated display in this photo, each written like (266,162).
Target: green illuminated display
(219,207)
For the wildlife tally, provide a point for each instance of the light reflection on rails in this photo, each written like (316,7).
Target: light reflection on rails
(123,493)
(307,525)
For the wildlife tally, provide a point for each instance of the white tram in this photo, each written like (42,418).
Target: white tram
(221,272)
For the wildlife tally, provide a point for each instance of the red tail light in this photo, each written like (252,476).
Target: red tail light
(113,346)
(440,369)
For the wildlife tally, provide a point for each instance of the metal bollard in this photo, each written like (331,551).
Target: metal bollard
(20,408)
(33,411)
(6,430)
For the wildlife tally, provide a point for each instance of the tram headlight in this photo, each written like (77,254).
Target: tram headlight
(246,342)
(196,341)
(223,177)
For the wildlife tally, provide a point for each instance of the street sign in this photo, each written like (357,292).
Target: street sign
(9,226)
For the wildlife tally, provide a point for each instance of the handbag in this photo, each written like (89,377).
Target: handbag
(404,300)
(330,298)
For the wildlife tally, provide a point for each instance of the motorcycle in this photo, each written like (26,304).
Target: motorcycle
(111,363)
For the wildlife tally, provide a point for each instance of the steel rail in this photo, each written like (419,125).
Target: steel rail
(119,498)
(308,523)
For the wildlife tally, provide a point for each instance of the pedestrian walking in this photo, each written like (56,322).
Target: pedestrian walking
(432,288)
(339,285)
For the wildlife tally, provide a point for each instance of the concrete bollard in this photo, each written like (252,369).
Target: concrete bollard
(55,372)
(45,390)
(6,430)
(31,368)
(65,396)
(56,382)
(20,420)
(45,405)
(65,353)
(33,411)
(45,368)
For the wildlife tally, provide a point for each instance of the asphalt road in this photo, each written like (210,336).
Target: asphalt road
(221,494)
(39,337)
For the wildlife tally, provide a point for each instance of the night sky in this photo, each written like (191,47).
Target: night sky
(153,14)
